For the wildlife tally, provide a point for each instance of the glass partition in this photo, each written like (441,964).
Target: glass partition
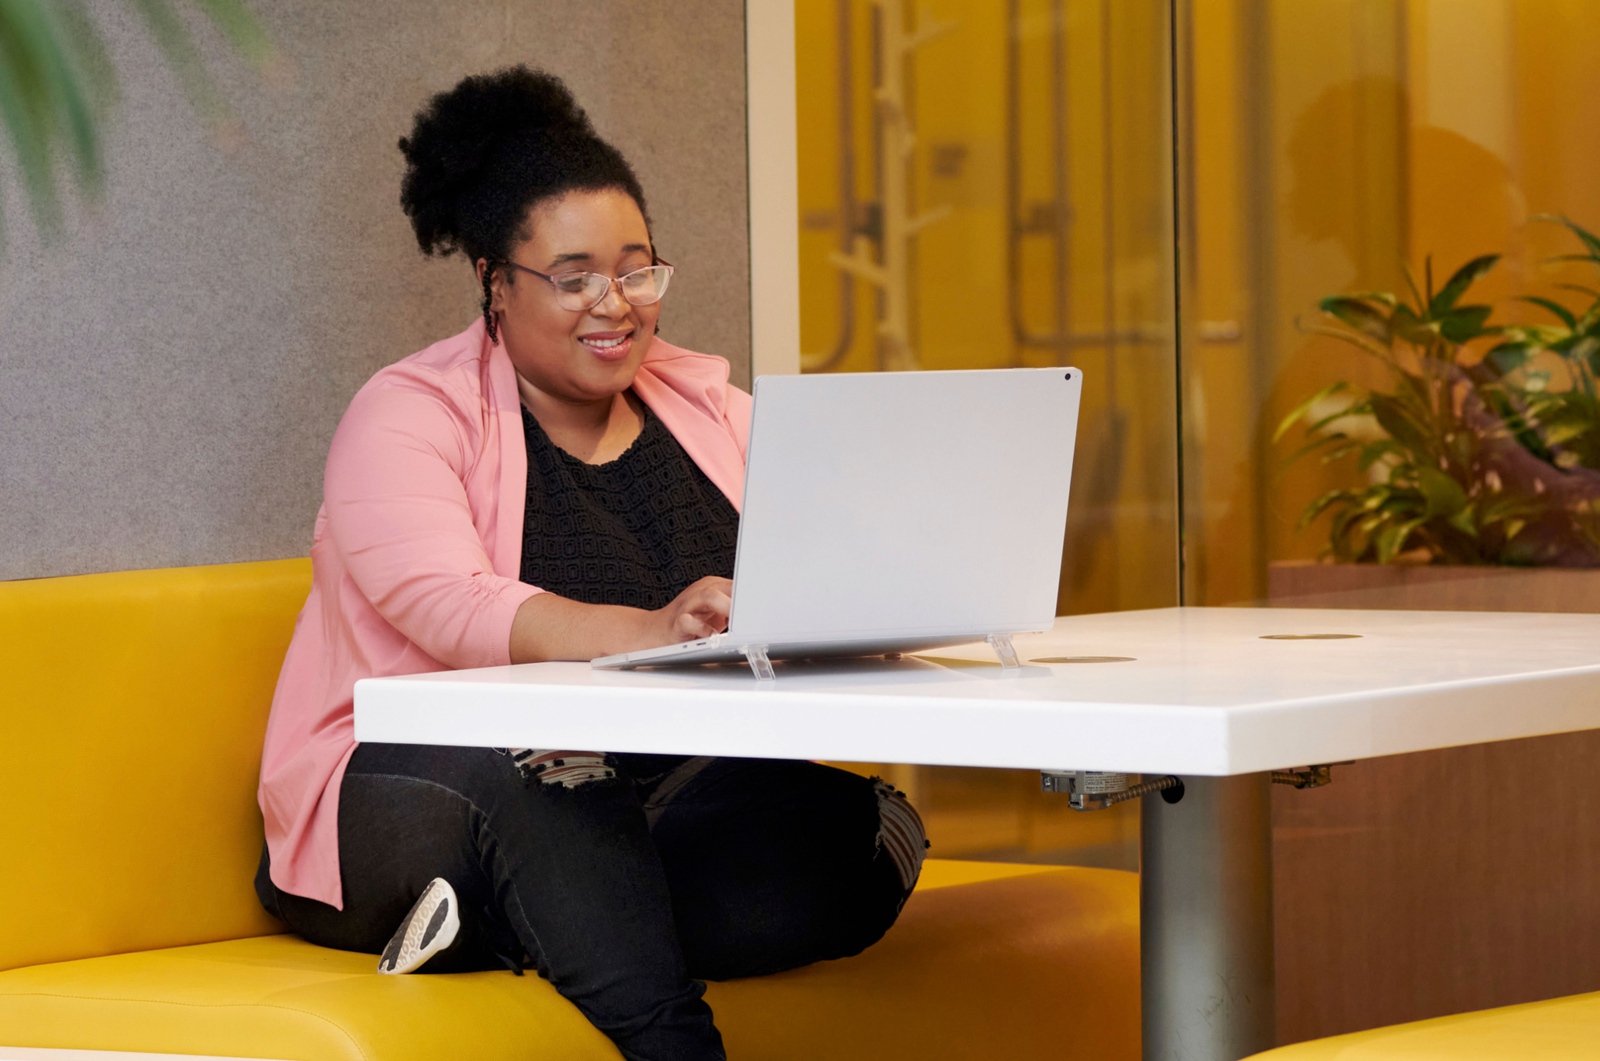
(1379,392)
(985,184)
(1332,274)
(1388,379)
(1391,333)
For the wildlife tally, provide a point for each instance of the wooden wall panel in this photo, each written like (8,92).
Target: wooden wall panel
(1438,882)
(1444,881)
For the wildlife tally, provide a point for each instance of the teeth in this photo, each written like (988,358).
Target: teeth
(604,343)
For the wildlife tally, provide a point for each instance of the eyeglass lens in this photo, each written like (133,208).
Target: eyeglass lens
(642,287)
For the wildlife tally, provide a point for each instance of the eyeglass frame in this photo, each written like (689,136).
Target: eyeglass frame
(610,280)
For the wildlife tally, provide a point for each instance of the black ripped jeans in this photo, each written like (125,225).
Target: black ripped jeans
(623,892)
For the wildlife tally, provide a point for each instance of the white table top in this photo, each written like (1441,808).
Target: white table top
(1204,694)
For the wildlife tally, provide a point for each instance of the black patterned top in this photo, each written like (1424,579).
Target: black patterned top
(636,530)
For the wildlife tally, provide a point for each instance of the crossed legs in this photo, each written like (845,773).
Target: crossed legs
(624,885)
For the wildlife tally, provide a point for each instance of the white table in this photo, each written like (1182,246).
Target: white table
(1206,695)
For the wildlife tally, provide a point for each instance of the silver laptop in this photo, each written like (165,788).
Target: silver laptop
(895,512)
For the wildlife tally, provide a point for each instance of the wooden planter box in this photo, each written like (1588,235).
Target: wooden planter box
(1443,881)
(1308,584)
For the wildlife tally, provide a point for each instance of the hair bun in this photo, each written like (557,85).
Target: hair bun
(461,137)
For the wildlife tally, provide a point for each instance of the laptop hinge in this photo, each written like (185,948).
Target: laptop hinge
(756,656)
(1001,643)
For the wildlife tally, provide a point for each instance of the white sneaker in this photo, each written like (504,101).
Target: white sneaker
(429,928)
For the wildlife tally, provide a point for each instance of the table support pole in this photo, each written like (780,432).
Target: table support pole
(1205,907)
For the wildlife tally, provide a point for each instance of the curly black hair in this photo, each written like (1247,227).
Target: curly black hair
(482,154)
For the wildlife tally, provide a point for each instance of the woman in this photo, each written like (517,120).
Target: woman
(553,483)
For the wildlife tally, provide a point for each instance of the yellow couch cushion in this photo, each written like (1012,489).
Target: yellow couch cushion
(130,742)
(1562,1029)
(1004,962)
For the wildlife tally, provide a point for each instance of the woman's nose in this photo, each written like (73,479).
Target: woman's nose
(612,305)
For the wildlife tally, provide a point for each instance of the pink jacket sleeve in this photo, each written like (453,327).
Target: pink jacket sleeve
(736,414)
(399,517)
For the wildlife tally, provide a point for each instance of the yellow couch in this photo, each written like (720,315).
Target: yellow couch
(1561,1029)
(134,705)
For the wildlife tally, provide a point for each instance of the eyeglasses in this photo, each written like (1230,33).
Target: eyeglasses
(584,291)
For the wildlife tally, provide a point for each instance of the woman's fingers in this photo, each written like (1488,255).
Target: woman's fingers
(702,609)
(717,598)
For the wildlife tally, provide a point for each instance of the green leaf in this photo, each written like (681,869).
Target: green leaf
(1392,539)
(1343,449)
(1304,407)
(1457,285)
(1341,536)
(1376,497)
(1411,282)
(1587,238)
(42,105)
(1369,525)
(1591,292)
(1359,409)
(1560,434)
(1415,395)
(1373,451)
(1465,323)
(1504,507)
(57,85)
(1345,335)
(1408,326)
(1554,307)
(1508,357)
(1464,522)
(1357,314)
(1585,351)
(1445,496)
(1321,505)
(182,55)
(1394,418)
(1309,448)
(240,27)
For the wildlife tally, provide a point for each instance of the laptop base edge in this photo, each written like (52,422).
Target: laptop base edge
(759,655)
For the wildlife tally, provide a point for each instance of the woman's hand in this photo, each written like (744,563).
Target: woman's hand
(699,611)
(549,627)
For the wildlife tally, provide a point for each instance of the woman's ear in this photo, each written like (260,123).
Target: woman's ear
(492,285)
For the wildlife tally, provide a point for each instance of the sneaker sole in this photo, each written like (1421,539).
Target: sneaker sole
(429,927)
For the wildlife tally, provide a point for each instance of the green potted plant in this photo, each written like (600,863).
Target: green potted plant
(1484,448)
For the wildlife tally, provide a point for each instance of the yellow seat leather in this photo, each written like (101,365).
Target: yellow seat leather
(134,706)
(1562,1029)
(1014,966)
(130,742)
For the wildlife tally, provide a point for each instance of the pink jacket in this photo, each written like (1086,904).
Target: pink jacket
(416,553)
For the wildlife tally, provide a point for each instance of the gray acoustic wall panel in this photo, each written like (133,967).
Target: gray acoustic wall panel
(172,368)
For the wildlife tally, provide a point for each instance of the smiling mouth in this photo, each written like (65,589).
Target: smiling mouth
(608,346)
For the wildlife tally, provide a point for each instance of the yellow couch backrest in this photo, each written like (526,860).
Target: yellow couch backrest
(132,708)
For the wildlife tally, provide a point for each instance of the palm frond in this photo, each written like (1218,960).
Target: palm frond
(58,88)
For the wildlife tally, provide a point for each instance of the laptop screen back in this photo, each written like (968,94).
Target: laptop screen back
(905,504)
